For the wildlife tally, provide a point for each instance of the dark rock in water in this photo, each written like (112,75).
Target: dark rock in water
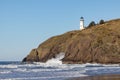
(97,44)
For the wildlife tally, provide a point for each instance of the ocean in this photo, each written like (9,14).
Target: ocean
(52,70)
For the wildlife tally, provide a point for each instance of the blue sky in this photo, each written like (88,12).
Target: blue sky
(24,24)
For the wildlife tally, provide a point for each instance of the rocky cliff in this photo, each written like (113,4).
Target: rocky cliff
(97,44)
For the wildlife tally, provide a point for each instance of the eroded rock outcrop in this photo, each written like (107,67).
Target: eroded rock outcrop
(97,44)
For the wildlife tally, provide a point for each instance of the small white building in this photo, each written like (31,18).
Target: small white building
(81,23)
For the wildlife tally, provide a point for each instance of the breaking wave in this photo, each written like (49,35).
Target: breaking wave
(54,62)
(53,69)
(9,66)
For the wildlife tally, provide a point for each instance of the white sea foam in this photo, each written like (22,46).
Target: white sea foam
(8,66)
(54,62)
(58,70)
(54,70)
(5,72)
(21,69)
(111,65)
(49,77)
(43,70)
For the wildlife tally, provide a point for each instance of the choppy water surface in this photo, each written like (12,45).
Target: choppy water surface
(49,71)
(53,69)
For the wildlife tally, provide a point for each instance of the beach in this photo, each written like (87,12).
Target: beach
(101,77)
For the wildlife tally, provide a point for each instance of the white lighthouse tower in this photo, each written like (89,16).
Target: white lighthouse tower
(81,23)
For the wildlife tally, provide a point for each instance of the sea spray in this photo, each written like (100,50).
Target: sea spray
(56,61)
(60,56)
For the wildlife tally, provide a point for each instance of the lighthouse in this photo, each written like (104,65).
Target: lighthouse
(81,23)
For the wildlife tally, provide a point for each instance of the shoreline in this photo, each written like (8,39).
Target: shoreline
(99,77)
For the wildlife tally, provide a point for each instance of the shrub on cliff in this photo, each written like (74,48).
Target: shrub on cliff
(101,21)
(92,24)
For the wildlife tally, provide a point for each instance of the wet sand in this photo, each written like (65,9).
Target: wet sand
(101,77)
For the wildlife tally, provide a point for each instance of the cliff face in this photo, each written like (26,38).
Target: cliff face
(97,44)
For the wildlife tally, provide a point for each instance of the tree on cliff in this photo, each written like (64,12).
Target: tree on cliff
(101,21)
(92,24)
